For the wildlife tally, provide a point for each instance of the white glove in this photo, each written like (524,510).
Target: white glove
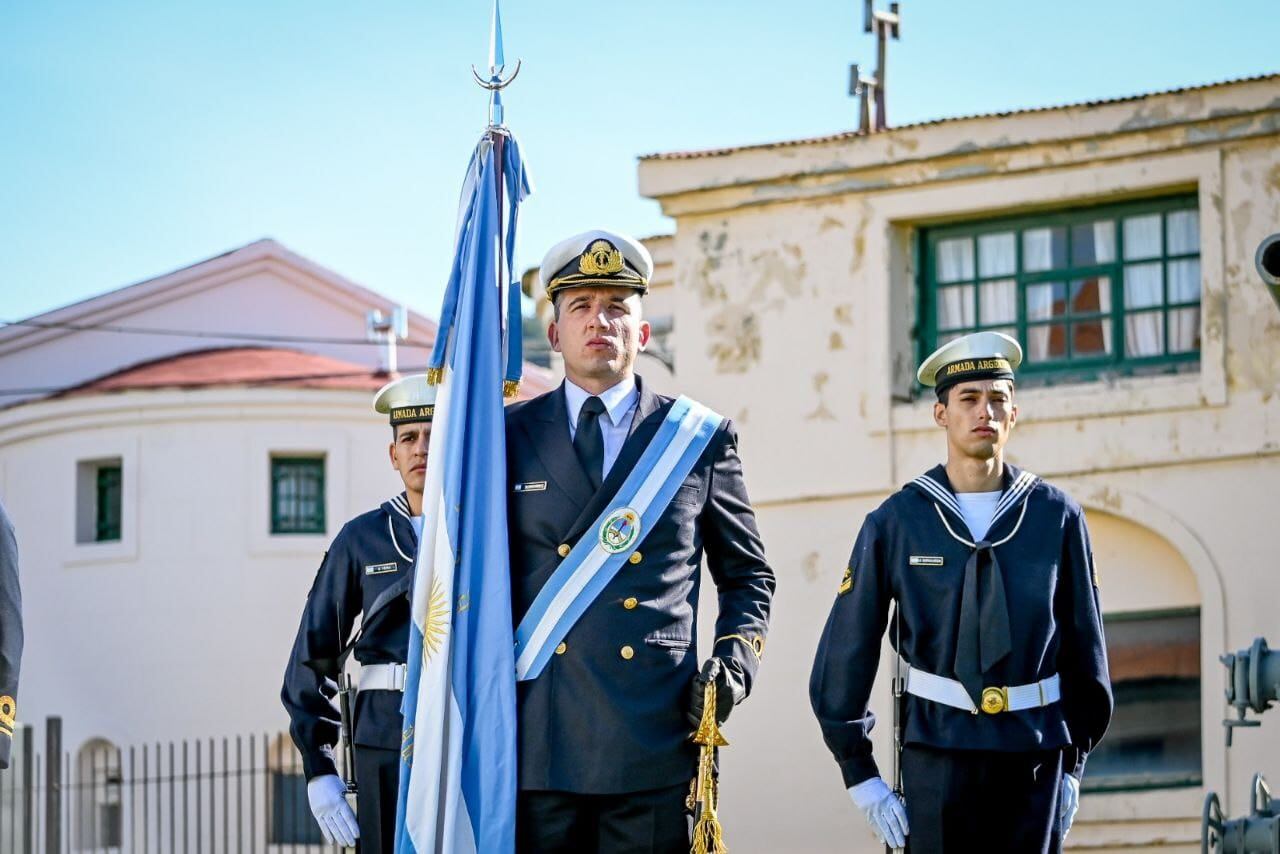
(1068,802)
(883,809)
(328,797)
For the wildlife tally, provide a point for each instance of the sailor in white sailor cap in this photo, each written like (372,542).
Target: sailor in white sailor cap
(624,491)
(997,627)
(367,570)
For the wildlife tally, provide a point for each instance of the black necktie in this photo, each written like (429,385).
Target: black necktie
(588,440)
(984,636)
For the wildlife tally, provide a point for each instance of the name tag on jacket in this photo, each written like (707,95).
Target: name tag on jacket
(531,486)
(926,560)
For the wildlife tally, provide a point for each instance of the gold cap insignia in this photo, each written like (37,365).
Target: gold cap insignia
(600,259)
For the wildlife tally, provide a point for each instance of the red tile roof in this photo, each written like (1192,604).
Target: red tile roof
(260,367)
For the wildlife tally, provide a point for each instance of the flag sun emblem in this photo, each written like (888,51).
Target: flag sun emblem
(620,530)
(437,623)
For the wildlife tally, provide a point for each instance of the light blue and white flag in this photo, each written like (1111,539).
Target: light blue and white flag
(458,761)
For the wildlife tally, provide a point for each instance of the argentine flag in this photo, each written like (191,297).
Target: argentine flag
(458,760)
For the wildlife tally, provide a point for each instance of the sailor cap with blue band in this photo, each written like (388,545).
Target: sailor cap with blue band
(596,258)
(407,400)
(979,356)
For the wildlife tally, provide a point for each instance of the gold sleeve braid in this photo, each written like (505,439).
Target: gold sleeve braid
(755,644)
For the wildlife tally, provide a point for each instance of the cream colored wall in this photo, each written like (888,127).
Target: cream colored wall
(795,297)
(183,629)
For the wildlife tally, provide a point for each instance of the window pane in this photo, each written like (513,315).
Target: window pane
(1184,280)
(1046,300)
(1142,237)
(955,259)
(955,307)
(1144,334)
(1093,243)
(107,527)
(1046,343)
(297,496)
(1182,233)
(1142,286)
(1091,296)
(1044,249)
(1184,330)
(1091,338)
(997,255)
(1155,733)
(999,301)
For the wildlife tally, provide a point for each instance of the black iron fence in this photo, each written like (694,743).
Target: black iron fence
(245,793)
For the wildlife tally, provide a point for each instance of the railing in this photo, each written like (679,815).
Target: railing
(245,793)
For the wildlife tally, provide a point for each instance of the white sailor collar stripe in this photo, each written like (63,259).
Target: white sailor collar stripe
(942,496)
(401,505)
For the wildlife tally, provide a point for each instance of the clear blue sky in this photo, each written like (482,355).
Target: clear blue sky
(138,137)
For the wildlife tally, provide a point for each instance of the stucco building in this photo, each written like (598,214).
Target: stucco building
(1116,241)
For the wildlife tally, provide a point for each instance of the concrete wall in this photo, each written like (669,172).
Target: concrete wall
(795,302)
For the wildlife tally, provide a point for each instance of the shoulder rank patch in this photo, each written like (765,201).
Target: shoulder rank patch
(381,568)
(925,560)
(846,583)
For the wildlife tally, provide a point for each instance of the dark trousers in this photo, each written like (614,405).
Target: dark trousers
(377,787)
(959,801)
(652,822)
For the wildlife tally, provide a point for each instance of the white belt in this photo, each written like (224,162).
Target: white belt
(1013,698)
(383,677)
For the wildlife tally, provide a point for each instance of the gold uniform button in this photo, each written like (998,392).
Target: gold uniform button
(636,557)
(564,550)
(561,647)
(630,602)
(627,652)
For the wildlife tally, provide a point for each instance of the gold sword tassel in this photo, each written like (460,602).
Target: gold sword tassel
(708,836)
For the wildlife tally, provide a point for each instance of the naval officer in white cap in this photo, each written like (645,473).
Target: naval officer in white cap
(632,490)
(997,625)
(367,570)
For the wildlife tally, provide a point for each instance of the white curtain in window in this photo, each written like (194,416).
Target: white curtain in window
(1142,236)
(1037,249)
(1104,242)
(955,260)
(1183,232)
(1144,332)
(999,302)
(997,254)
(1184,330)
(1184,280)
(955,307)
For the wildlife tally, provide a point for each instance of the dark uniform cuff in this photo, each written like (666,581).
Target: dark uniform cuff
(857,770)
(318,763)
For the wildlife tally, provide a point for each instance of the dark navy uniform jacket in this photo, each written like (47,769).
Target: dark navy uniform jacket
(1055,623)
(595,721)
(10,635)
(368,569)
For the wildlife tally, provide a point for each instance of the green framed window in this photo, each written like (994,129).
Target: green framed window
(297,495)
(1154,738)
(108,483)
(1111,289)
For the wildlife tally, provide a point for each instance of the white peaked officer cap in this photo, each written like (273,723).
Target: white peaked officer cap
(406,400)
(596,258)
(979,356)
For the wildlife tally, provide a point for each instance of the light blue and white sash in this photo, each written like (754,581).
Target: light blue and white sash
(614,535)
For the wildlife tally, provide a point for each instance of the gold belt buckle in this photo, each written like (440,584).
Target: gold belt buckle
(995,700)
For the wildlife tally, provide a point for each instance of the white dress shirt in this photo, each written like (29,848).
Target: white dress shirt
(619,405)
